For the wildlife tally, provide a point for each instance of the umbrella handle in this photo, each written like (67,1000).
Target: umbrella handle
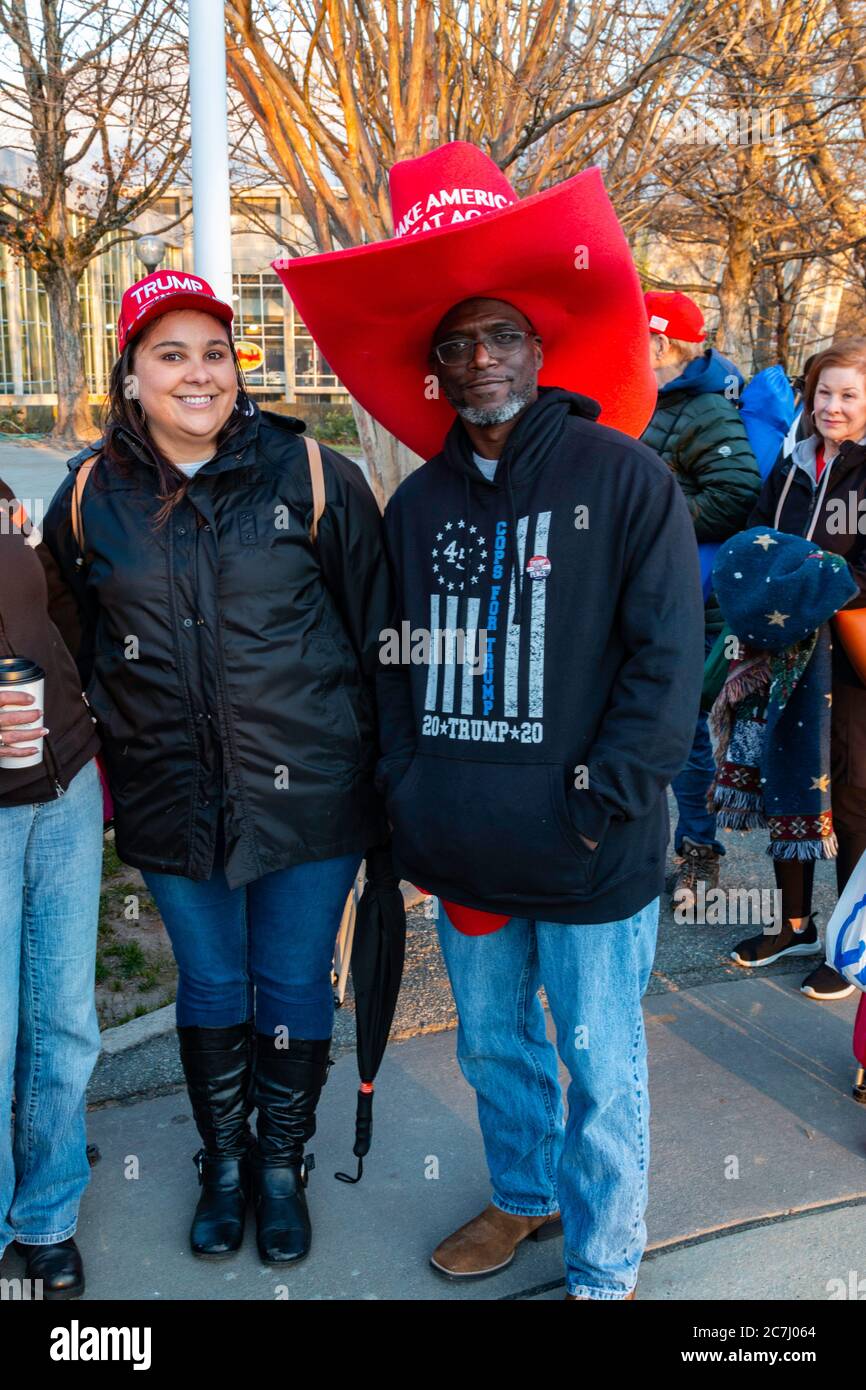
(347,1177)
(363,1132)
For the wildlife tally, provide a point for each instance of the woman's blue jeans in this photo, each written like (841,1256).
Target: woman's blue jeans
(51,856)
(262,951)
(593,1167)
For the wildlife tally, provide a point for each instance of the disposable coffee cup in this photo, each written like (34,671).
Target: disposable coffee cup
(19,674)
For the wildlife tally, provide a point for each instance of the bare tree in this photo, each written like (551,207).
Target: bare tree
(95,112)
(342,90)
(779,117)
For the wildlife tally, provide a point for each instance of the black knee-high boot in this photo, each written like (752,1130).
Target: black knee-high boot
(288,1083)
(217,1063)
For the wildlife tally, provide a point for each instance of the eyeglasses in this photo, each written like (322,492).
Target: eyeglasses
(459,351)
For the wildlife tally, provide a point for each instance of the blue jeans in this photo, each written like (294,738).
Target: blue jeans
(691,786)
(261,951)
(690,789)
(51,857)
(593,1167)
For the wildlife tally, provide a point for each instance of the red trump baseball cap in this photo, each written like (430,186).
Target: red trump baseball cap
(675,315)
(160,293)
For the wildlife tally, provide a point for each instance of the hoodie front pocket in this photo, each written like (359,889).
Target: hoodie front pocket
(500,829)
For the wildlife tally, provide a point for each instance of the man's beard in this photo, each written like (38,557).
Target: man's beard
(482,415)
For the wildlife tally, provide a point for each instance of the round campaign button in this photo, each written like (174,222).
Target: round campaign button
(538,567)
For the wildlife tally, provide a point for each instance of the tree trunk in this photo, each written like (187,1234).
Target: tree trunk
(388,460)
(786,300)
(734,293)
(74,423)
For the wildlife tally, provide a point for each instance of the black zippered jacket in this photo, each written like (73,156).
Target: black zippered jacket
(229,661)
(36,611)
(579,562)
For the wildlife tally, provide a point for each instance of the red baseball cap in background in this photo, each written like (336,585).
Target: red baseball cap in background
(159,293)
(675,315)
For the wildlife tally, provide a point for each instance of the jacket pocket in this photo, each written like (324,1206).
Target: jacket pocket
(344,736)
(500,829)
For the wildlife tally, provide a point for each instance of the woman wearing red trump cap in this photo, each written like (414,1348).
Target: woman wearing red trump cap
(231,596)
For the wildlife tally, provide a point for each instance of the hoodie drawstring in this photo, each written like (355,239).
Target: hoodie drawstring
(515,556)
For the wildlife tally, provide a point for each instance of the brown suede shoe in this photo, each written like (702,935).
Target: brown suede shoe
(574,1298)
(486,1244)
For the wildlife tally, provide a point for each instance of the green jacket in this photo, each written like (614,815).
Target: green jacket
(699,434)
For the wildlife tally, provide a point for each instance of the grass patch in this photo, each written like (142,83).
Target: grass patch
(129,956)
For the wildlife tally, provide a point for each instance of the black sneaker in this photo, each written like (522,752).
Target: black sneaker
(770,946)
(826,983)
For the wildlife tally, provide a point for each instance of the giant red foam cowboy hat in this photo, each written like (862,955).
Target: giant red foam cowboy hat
(461,231)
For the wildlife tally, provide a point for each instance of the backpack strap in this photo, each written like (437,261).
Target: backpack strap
(317,478)
(78,487)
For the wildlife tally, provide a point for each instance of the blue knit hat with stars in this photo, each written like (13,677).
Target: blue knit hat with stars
(775,589)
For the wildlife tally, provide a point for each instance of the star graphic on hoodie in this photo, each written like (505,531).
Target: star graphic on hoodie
(777,619)
(820,784)
(766,540)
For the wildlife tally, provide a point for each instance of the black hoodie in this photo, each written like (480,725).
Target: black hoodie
(579,562)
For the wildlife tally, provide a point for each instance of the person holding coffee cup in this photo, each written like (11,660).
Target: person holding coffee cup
(230,635)
(50,867)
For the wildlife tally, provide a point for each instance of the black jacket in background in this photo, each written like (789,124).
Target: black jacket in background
(34,607)
(596,662)
(230,662)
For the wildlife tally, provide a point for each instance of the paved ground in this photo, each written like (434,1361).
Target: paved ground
(752,1123)
(33,472)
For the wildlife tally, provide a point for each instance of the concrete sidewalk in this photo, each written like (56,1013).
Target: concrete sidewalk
(752,1123)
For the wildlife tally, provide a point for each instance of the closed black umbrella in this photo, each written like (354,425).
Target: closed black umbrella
(377,969)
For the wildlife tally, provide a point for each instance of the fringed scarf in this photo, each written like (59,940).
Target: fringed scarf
(770,728)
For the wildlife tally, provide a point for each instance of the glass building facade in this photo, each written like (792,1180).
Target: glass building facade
(292,365)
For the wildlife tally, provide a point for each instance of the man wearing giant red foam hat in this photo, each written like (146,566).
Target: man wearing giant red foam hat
(525,760)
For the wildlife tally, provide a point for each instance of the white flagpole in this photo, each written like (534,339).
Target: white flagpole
(211,205)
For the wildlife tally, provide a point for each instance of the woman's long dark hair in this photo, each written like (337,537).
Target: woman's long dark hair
(122,412)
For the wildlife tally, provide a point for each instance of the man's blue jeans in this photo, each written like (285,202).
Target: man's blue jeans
(51,857)
(690,789)
(262,951)
(691,786)
(593,1167)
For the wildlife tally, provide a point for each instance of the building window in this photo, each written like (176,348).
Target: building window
(7,379)
(256,215)
(312,372)
(36,340)
(260,318)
